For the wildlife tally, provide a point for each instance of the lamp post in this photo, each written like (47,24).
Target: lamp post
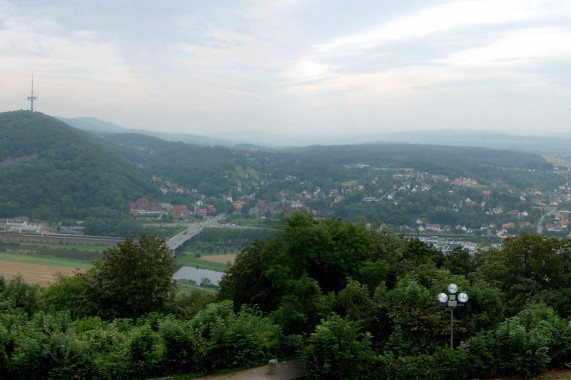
(451,300)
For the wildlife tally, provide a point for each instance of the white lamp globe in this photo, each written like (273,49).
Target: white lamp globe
(442,298)
(463,297)
(452,288)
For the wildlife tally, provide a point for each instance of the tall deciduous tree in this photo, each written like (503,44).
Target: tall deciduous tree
(136,278)
(532,268)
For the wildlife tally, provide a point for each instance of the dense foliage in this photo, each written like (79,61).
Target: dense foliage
(352,302)
(134,278)
(371,297)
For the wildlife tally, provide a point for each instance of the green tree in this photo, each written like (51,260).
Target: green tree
(531,268)
(135,278)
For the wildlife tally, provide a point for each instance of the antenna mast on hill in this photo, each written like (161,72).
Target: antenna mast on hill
(32,98)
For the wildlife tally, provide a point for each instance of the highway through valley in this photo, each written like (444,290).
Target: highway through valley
(193,230)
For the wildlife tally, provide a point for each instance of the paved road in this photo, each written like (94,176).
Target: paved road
(193,230)
(286,370)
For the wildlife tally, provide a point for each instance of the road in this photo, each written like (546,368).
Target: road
(193,230)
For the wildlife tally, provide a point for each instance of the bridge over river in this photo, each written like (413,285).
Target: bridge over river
(194,229)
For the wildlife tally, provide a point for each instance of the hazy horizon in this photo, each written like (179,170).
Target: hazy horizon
(295,68)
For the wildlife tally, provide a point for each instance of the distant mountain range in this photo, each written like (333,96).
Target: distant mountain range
(97,126)
(556,143)
(485,139)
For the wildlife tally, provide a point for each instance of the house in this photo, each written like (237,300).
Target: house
(24,227)
(296,204)
(433,227)
(464,182)
(507,226)
(180,212)
(145,205)
(238,205)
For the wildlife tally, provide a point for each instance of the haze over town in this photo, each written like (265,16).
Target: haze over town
(292,68)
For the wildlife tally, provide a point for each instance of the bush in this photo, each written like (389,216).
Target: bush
(338,350)
(179,345)
(224,339)
(507,351)
(22,297)
(145,351)
(444,363)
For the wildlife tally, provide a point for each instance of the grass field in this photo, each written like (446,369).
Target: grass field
(70,247)
(28,258)
(187,287)
(558,161)
(214,262)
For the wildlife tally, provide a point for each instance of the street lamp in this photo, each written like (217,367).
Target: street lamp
(451,300)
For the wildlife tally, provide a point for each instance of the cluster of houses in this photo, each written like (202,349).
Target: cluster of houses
(464,182)
(168,186)
(405,181)
(559,223)
(20,226)
(143,208)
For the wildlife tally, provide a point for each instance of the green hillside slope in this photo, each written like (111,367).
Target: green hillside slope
(49,170)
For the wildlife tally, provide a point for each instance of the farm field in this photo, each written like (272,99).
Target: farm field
(221,259)
(213,262)
(39,274)
(558,161)
(38,269)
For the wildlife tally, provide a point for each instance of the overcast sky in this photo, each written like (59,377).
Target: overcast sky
(295,67)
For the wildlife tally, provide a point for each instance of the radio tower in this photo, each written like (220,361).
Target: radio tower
(32,98)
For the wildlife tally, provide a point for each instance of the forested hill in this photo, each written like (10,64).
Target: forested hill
(51,171)
(211,170)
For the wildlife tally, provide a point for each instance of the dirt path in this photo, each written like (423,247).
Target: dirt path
(42,275)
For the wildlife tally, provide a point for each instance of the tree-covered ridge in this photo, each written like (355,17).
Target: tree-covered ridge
(216,170)
(52,171)
(207,169)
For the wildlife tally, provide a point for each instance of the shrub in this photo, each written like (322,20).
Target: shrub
(339,350)
(509,350)
(224,339)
